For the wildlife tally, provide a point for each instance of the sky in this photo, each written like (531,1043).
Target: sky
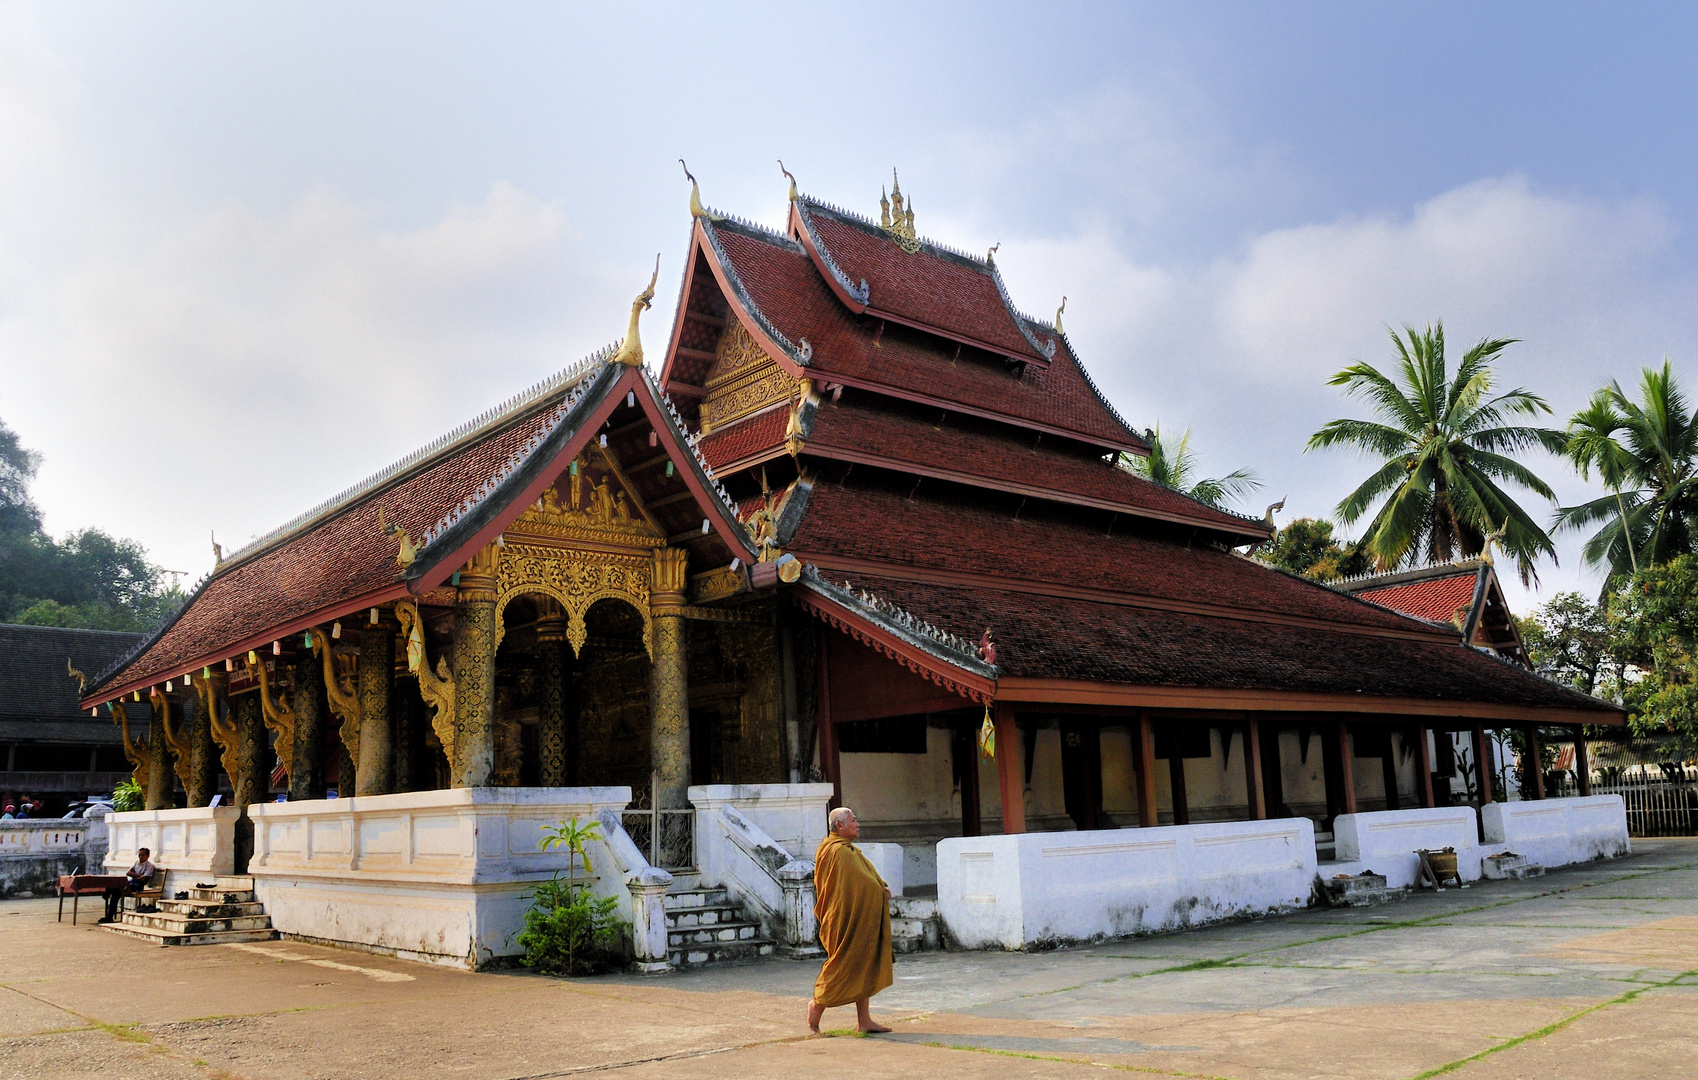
(250,254)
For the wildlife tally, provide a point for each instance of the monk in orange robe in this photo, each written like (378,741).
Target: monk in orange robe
(852,904)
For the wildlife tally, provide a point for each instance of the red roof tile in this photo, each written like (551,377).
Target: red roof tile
(934,535)
(734,442)
(1436,600)
(934,288)
(996,456)
(1073,639)
(784,284)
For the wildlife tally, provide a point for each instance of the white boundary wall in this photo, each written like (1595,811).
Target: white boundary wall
(441,876)
(1044,889)
(1385,841)
(197,842)
(1558,832)
(793,815)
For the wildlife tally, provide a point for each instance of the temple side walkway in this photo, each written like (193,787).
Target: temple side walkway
(1589,972)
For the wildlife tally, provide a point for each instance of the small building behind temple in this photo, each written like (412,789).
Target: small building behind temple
(862,535)
(49,747)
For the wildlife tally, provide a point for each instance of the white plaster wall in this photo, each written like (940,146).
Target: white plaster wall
(899,789)
(889,860)
(196,842)
(793,815)
(1385,841)
(1041,889)
(1558,832)
(442,876)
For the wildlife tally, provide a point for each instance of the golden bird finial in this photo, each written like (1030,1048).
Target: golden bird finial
(990,256)
(697,210)
(1491,539)
(792,179)
(631,349)
(408,551)
(71,670)
(1058,312)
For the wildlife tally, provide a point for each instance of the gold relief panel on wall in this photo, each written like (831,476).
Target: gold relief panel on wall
(744,380)
(591,502)
(576,579)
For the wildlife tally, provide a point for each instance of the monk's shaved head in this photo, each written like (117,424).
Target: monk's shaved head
(834,820)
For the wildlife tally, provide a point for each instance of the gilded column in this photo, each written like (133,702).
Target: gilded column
(252,781)
(159,773)
(474,670)
(551,697)
(375,770)
(670,732)
(306,777)
(203,760)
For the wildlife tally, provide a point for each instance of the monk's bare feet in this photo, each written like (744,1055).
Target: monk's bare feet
(815,1011)
(864,1018)
(871,1028)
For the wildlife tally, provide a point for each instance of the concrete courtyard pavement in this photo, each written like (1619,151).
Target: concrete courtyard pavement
(1587,972)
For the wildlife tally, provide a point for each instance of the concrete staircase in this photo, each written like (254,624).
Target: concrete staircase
(1325,848)
(225,913)
(706,927)
(914,924)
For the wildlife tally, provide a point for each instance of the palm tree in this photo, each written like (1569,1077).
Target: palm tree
(1446,445)
(1174,465)
(1646,453)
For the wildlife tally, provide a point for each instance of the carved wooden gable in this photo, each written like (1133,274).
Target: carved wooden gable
(591,501)
(743,380)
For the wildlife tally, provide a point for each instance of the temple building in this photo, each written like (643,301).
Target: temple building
(869,527)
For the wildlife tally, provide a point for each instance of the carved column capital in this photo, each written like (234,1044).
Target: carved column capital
(671,567)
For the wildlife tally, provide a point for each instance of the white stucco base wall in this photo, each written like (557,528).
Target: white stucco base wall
(792,814)
(1044,889)
(1385,841)
(889,860)
(441,876)
(1559,832)
(196,842)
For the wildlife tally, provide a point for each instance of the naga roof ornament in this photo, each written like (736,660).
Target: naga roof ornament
(787,176)
(631,349)
(897,219)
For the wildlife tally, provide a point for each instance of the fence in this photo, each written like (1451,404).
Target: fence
(672,846)
(1662,800)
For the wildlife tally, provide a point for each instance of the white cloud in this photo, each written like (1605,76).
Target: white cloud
(1241,349)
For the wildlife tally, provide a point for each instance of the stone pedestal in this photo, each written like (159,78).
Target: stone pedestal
(801,929)
(648,919)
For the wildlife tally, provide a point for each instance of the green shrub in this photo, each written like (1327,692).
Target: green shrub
(568,929)
(128,795)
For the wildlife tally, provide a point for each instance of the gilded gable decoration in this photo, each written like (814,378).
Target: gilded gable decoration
(744,380)
(896,219)
(576,579)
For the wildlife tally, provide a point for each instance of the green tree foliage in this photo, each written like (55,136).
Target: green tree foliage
(1174,465)
(568,929)
(1445,445)
(1646,454)
(1570,640)
(88,579)
(1654,616)
(1306,546)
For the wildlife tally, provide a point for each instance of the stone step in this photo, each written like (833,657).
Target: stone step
(167,937)
(204,909)
(219,896)
(737,952)
(179,924)
(706,915)
(716,934)
(696,898)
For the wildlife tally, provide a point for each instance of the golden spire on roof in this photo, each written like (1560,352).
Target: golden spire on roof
(1058,312)
(697,210)
(631,349)
(896,219)
(787,175)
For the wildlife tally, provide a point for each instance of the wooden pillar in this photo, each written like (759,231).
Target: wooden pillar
(551,693)
(1144,746)
(375,769)
(474,670)
(1388,772)
(306,773)
(1531,768)
(669,738)
(203,758)
(158,795)
(1256,797)
(1424,765)
(409,711)
(830,764)
(1176,779)
(1483,764)
(252,782)
(1346,768)
(1582,762)
(1273,781)
(1010,770)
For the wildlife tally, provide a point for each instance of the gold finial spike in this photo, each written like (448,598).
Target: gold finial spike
(1058,312)
(884,208)
(631,349)
(897,219)
(71,670)
(697,210)
(787,175)
(217,550)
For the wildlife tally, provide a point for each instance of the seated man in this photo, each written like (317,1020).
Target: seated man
(138,877)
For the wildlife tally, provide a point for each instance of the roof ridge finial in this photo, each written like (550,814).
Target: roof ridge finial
(697,210)
(631,349)
(897,219)
(990,256)
(1495,537)
(792,179)
(1058,312)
